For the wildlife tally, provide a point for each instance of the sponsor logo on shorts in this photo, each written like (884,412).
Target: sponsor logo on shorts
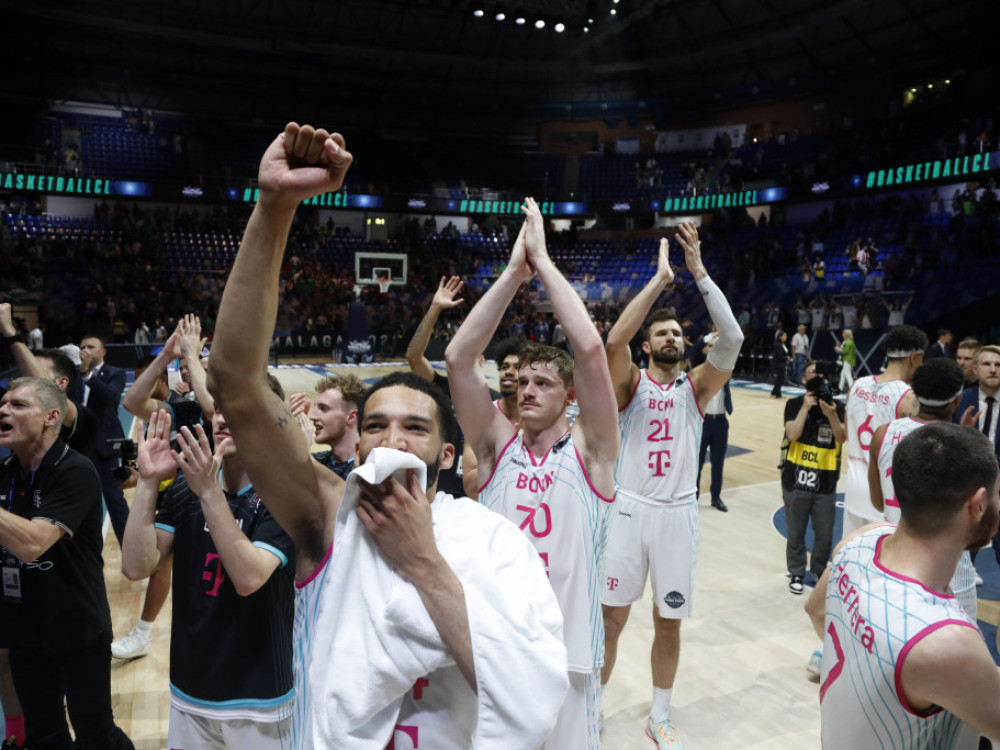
(674,600)
(623,513)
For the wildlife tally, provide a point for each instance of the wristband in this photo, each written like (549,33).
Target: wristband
(8,340)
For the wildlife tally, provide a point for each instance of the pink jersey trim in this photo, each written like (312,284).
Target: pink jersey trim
(497,405)
(497,462)
(322,563)
(654,380)
(634,391)
(545,457)
(905,652)
(695,394)
(587,477)
(897,576)
(901,397)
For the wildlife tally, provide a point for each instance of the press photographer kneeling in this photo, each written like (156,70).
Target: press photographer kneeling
(814,432)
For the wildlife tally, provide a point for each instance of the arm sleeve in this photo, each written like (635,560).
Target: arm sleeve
(724,354)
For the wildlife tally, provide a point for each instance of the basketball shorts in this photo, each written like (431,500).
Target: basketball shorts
(192,732)
(658,539)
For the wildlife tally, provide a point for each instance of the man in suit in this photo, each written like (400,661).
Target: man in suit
(102,393)
(980,405)
(941,347)
(715,438)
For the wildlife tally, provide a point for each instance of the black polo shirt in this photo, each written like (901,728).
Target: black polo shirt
(63,603)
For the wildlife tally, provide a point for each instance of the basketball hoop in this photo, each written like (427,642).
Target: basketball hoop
(383,284)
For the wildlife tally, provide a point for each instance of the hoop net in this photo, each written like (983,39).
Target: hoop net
(383,284)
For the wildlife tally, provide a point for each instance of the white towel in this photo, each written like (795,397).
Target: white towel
(374,638)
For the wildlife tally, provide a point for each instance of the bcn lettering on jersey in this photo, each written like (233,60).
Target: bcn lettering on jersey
(849,595)
(661,404)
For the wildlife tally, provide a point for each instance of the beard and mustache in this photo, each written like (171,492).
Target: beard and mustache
(666,357)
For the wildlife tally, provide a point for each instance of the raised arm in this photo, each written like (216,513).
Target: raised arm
(26,361)
(300,163)
(709,377)
(596,429)
(444,299)
(247,566)
(624,373)
(139,400)
(483,425)
(191,343)
(144,547)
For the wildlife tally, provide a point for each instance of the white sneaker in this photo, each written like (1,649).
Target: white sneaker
(663,734)
(815,665)
(132,645)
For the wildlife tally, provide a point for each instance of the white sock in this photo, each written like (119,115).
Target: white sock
(144,627)
(661,704)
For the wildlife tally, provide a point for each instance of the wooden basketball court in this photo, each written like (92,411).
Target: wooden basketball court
(742,681)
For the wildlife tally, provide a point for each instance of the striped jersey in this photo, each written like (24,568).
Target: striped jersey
(963,583)
(552,501)
(873,618)
(870,404)
(661,435)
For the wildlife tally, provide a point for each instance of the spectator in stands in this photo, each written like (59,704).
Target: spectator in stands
(941,347)
(819,268)
(897,310)
(141,334)
(36,337)
(817,311)
(54,614)
(966,358)
(800,350)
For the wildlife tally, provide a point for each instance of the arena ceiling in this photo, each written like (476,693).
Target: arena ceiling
(434,66)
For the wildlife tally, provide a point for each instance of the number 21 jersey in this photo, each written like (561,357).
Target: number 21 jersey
(661,435)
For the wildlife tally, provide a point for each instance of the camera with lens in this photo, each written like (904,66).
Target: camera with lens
(127,453)
(820,385)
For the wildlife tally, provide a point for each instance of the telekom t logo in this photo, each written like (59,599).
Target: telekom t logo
(215,574)
(612,583)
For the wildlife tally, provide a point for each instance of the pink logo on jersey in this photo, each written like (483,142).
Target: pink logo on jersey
(658,405)
(658,462)
(860,627)
(612,583)
(217,576)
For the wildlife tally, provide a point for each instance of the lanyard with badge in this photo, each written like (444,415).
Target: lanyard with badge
(12,565)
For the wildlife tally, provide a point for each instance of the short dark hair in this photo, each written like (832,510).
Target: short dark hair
(936,468)
(448,424)
(62,365)
(558,358)
(904,339)
(943,332)
(512,345)
(94,336)
(938,379)
(659,316)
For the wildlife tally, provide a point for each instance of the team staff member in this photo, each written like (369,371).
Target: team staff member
(54,613)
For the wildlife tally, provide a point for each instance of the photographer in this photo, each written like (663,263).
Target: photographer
(814,430)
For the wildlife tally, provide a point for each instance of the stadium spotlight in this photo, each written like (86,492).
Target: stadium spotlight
(501,16)
(478,13)
(519,21)
(539,24)
(560,28)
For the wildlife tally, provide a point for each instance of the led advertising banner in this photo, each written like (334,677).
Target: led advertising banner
(62,185)
(936,169)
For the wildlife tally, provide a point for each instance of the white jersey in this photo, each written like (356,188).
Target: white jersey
(870,404)
(555,505)
(873,618)
(661,436)
(963,583)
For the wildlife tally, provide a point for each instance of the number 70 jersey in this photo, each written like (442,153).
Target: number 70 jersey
(661,435)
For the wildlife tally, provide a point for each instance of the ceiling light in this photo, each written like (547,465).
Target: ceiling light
(590,20)
(930,85)
(586,29)
(519,21)
(478,13)
(947,81)
(913,91)
(501,16)
(614,12)
(560,28)
(539,24)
